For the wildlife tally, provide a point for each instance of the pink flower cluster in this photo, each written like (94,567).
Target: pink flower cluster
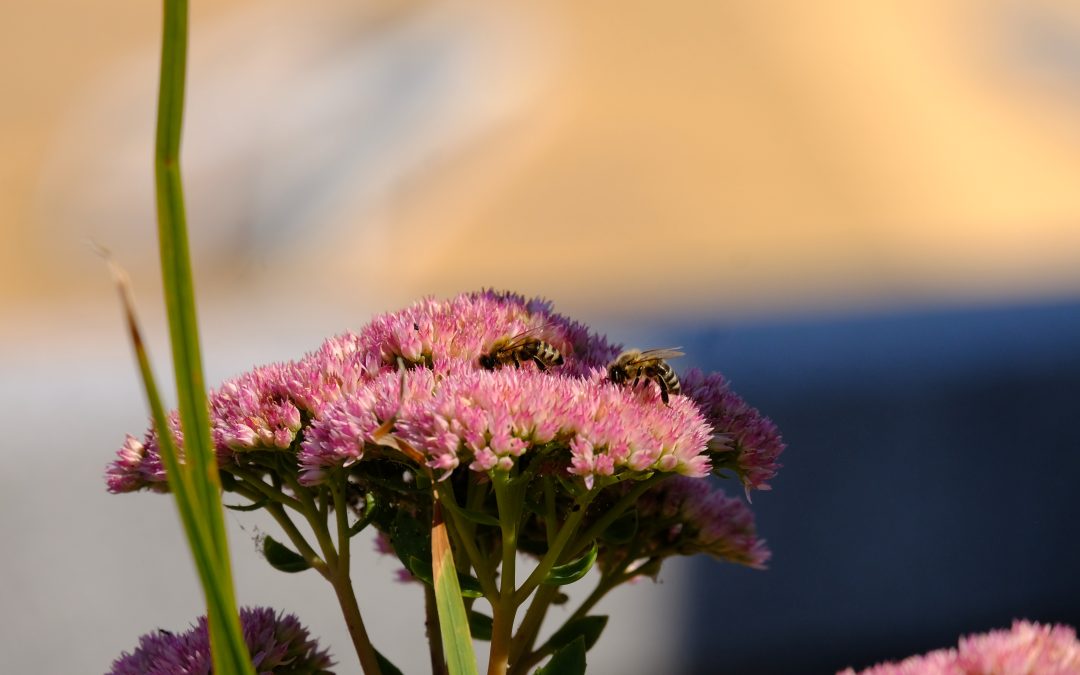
(343,399)
(1027,649)
(747,441)
(487,419)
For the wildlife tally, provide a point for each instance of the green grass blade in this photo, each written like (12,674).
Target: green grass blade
(180,481)
(453,621)
(202,492)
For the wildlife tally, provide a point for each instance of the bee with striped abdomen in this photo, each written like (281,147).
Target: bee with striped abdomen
(634,365)
(519,349)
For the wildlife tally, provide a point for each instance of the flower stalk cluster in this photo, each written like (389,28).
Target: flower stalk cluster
(420,414)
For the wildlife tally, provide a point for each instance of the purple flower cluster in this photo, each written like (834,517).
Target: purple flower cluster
(278,644)
(682,516)
(747,442)
(1027,649)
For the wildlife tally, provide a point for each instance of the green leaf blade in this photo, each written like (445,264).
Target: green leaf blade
(570,660)
(560,575)
(283,558)
(453,620)
(588,628)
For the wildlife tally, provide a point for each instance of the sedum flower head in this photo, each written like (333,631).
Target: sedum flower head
(747,442)
(681,516)
(339,397)
(1027,649)
(278,645)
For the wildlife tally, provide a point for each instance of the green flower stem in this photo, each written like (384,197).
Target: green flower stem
(337,561)
(527,632)
(549,510)
(361,642)
(510,506)
(530,659)
(343,583)
(612,514)
(556,550)
(254,482)
(342,513)
(534,616)
(434,632)
(278,513)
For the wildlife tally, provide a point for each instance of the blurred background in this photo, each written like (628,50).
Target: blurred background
(866,214)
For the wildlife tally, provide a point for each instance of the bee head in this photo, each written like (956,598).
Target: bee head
(616,373)
(487,361)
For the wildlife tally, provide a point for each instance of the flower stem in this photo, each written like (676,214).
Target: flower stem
(556,550)
(503,611)
(434,632)
(612,514)
(342,582)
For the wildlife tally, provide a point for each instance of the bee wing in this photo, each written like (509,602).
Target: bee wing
(655,354)
(524,336)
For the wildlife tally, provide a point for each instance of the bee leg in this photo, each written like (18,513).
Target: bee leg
(539,363)
(663,390)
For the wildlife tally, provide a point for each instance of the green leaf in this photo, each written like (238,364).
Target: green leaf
(254,506)
(453,621)
(470,586)
(421,569)
(480,625)
(410,540)
(586,627)
(561,575)
(385,666)
(570,660)
(623,529)
(228,481)
(368,515)
(283,558)
(478,517)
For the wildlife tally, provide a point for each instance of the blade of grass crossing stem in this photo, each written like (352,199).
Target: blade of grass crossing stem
(228,651)
(453,621)
(179,481)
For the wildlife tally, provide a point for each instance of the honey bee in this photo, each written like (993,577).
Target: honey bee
(634,364)
(519,349)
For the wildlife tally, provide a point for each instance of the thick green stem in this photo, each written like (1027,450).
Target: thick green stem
(527,632)
(341,580)
(503,611)
(556,550)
